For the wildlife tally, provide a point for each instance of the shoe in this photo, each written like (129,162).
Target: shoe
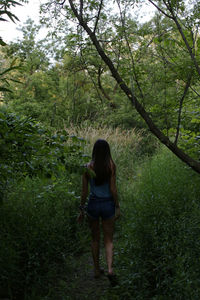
(113,279)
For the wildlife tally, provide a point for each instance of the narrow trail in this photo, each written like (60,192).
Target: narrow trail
(79,282)
(85,285)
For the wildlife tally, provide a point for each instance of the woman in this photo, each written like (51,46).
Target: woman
(103,203)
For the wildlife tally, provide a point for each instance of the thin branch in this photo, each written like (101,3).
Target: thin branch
(195,38)
(169,7)
(94,83)
(85,67)
(175,19)
(196,34)
(187,45)
(81,8)
(158,8)
(62,3)
(162,50)
(194,164)
(194,91)
(172,66)
(102,89)
(130,52)
(180,108)
(98,16)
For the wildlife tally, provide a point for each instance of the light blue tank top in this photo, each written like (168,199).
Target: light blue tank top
(101,191)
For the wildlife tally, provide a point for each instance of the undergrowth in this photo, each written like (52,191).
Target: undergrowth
(157,240)
(157,256)
(39,233)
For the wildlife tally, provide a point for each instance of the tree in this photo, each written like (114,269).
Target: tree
(49,91)
(6,15)
(89,15)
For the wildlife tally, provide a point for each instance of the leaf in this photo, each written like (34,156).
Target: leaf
(2,19)
(11,16)
(2,43)
(3,89)
(13,62)
(8,70)
(15,3)
(15,80)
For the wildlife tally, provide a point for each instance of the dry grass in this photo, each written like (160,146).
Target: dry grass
(125,146)
(117,138)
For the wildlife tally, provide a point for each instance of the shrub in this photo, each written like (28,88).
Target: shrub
(40,175)
(38,233)
(159,254)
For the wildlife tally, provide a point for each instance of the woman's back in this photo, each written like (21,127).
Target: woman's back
(100,191)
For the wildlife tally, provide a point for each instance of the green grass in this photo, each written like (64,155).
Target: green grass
(158,252)
(38,233)
(157,240)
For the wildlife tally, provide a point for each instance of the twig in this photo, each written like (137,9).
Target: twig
(158,8)
(97,19)
(180,108)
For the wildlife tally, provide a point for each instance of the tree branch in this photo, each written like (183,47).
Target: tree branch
(130,52)
(195,165)
(158,8)
(102,89)
(95,85)
(97,19)
(187,45)
(175,19)
(180,108)
(81,8)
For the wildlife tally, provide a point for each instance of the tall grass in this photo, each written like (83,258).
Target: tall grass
(158,256)
(128,147)
(157,240)
(38,233)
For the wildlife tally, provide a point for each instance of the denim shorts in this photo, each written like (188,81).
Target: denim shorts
(100,207)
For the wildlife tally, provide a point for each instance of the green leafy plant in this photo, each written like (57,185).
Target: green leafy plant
(40,173)
(158,256)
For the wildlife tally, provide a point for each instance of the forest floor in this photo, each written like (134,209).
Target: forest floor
(79,283)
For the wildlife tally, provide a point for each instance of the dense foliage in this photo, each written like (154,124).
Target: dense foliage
(157,255)
(65,77)
(27,149)
(51,91)
(40,172)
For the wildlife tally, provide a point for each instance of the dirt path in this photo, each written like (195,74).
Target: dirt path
(76,279)
(80,284)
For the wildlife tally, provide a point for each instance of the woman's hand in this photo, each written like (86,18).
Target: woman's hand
(81,217)
(117,213)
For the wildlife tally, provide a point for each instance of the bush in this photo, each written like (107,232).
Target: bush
(38,233)
(159,256)
(40,175)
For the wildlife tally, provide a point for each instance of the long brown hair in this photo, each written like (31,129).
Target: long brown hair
(102,159)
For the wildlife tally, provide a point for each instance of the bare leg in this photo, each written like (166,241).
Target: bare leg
(95,230)
(108,230)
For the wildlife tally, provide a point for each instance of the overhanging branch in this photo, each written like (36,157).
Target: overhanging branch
(195,165)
